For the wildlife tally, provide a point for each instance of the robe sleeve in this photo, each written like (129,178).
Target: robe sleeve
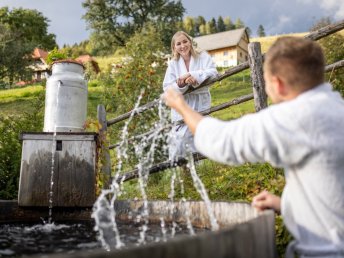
(171,78)
(259,137)
(206,69)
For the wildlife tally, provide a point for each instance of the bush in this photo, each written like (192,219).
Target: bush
(10,146)
(333,46)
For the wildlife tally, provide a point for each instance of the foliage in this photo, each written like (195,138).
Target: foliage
(83,48)
(143,68)
(54,55)
(31,26)
(10,147)
(333,47)
(12,50)
(21,30)
(220,24)
(197,26)
(115,21)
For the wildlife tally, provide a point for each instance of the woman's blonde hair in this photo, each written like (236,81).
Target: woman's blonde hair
(175,54)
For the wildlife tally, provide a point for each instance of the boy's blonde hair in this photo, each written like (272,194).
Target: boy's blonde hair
(299,62)
(176,55)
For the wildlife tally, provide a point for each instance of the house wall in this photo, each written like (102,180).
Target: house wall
(231,56)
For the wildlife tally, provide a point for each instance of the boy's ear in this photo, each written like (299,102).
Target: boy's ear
(281,87)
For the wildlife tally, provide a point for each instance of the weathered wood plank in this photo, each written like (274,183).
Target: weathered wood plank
(105,159)
(74,173)
(325,31)
(258,83)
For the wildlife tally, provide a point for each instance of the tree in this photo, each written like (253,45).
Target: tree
(189,25)
(239,24)
(30,25)
(211,26)
(229,24)
(199,20)
(220,24)
(203,29)
(261,31)
(21,31)
(114,21)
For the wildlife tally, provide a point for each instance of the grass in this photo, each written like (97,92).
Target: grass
(267,41)
(19,100)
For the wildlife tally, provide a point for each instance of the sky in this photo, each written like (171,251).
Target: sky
(276,16)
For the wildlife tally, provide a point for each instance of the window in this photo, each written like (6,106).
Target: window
(240,54)
(225,63)
(225,53)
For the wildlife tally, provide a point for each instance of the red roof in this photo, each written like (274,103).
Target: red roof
(84,59)
(39,53)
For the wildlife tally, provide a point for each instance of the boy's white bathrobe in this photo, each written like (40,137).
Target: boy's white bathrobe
(200,68)
(305,136)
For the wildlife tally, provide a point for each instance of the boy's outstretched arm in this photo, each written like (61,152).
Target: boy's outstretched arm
(176,101)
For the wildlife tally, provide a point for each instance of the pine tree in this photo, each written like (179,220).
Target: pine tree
(261,31)
(229,24)
(220,24)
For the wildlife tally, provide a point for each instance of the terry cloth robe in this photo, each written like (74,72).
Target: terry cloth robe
(200,68)
(305,136)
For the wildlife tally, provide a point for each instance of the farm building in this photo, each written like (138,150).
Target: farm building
(40,67)
(87,59)
(228,48)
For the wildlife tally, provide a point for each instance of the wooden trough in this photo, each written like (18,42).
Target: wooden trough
(243,232)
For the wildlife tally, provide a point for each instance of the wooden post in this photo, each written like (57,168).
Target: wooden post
(256,68)
(104,145)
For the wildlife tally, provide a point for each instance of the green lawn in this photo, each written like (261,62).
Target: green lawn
(19,100)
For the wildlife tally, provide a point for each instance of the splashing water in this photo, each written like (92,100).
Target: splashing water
(145,150)
(103,209)
(201,190)
(53,151)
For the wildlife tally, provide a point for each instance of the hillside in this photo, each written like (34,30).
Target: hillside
(267,41)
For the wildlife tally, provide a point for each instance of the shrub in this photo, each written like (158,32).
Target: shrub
(10,146)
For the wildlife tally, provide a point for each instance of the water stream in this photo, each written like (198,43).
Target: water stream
(104,212)
(53,151)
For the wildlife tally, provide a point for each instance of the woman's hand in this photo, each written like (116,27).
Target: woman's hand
(181,81)
(266,200)
(191,80)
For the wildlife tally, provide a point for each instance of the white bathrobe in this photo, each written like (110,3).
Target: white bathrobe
(305,136)
(200,68)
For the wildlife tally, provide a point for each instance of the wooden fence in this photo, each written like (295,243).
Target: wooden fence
(255,64)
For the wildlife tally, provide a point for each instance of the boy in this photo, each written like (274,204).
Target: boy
(303,133)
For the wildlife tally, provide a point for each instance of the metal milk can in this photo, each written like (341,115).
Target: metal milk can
(66,98)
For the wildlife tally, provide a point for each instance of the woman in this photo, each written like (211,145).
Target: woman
(187,67)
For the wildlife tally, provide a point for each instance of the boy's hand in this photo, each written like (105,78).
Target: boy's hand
(173,99)
(266,200)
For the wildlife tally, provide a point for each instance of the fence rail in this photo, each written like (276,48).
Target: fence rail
(255,63)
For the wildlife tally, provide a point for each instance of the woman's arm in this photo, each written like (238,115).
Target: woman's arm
(171,79)
(206,68)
